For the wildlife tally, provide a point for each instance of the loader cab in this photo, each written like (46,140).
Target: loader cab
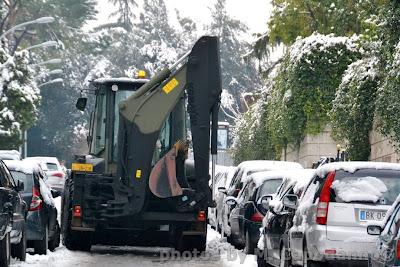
(104,121)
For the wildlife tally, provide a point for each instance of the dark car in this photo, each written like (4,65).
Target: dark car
(43,230)
(12,218)
(279,218)
(247,213)
(242,172)
(387,250)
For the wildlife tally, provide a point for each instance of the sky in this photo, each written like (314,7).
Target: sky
(254,13)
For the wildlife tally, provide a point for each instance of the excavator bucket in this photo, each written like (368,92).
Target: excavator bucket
(163,182)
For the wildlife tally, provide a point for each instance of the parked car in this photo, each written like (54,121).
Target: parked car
(279,218)
(387,249)
(12,218)
(54,171)
(222,174)
(243,170)
(247,210)
(330,224)
(42,227)
(10,155)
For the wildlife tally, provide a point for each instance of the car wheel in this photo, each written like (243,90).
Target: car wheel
(19,250)
(5,251)
(284,261)
(55,241)
(261,260)
(309,263)
(40,246)
(249,246)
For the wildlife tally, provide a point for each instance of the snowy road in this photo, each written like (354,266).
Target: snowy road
(219,253)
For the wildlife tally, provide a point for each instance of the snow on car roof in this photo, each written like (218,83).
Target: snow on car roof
(26,167)
(353,166)
(10,154)
(300,177)
(43,159)
(267,165)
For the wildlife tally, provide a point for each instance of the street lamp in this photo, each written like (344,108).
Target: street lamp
(55,72)
(42,20)
(45,44)
(58,80)
(50,61)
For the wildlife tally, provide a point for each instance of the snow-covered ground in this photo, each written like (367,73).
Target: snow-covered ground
(219,253)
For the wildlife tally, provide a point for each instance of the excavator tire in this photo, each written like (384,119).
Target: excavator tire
(72,240)
(190,243)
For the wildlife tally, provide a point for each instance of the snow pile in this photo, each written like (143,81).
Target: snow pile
(368,189)
(353,166)
(46,193)
(305,46)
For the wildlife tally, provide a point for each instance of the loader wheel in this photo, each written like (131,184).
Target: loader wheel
(72,240)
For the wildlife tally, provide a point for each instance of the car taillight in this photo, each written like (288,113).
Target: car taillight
(36,202)
(58,174)
(77,211)
(398,250)
(257,217)
(324,199)
(201,216)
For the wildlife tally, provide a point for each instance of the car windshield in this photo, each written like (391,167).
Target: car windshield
(366,186)
(27,179)
(269,187)
(51,166)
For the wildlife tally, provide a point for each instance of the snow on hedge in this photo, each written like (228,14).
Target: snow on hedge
(368,189)
(304,47)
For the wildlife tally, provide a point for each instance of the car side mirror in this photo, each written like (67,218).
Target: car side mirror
(222,190)
(81,103)
(290,201)
(231,201)
(20,186)
(264,201)
(374,229)
(55,193)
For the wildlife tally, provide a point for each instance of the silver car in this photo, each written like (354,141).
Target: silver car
(330,224)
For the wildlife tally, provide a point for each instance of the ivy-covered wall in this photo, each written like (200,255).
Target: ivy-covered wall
(349,82)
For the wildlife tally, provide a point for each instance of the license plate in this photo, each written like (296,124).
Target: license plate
(82,167)
(372,215)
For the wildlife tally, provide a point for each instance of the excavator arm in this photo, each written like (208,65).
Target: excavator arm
(143,114)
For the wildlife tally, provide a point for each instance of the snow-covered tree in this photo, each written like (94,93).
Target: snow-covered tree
(237,75)
(19,97)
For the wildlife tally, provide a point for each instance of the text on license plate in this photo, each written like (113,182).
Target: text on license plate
(372,215)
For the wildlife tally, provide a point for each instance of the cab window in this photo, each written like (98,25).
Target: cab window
(99,133)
